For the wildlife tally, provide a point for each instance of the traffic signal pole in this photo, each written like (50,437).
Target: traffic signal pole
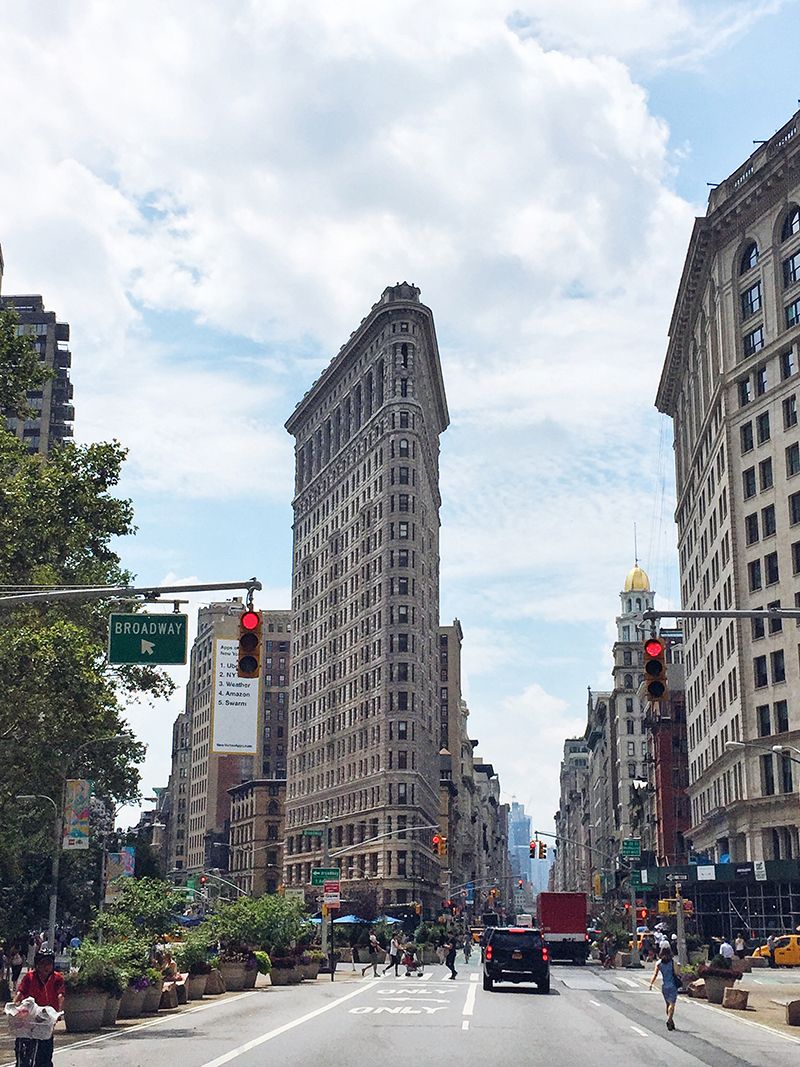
(35,594)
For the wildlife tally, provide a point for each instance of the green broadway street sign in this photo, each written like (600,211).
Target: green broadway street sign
(312,833)
(632,846)
(145,638)
(321,875)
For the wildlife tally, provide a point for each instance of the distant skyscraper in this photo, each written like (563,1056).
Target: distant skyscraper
(365,732)
(54,412)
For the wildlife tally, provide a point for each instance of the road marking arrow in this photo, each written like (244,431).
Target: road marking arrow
(148,648)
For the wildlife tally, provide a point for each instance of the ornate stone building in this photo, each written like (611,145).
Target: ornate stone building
(730,385)
(365,729)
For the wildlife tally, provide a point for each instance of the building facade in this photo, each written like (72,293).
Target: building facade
(365,732)
(256,835)
(198,810)
(52,412)
(730,385)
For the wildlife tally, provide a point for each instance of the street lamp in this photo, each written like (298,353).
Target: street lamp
(51,924)
(124,735)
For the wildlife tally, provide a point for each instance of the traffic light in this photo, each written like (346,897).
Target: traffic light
(542,850)
(436,841)
(655,670)
(519,883)
(202,879)
(533,850)
(641,913)
(249,658)
(442,846)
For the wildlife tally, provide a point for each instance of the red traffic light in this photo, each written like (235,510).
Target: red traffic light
(435,840)
(250,620)
(653,647)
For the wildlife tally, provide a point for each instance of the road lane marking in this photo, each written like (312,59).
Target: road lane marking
(596,1003)
(642,1033)
(122,1031)
(234,1053)
(465,1024)
(627,981)
(474,977)
(469,1003)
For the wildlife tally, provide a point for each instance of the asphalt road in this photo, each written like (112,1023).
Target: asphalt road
(606,1019)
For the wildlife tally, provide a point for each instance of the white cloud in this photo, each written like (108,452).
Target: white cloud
(264,170)
(524,741)
(661,32)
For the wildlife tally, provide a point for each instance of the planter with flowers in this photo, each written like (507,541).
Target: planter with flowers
(153,991)
(309,964)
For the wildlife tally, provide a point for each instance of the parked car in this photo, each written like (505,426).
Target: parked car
(787,950)
(515,954)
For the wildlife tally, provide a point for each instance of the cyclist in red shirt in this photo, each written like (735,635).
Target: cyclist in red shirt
(46,985)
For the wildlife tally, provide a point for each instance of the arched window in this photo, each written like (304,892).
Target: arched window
(628,681)
(638,603)
(791,224)
(749,258)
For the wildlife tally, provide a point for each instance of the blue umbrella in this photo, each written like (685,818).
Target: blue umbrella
(350,919)
(389,919)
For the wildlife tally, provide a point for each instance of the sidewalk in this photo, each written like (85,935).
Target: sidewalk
(64,1040)
(761,1006)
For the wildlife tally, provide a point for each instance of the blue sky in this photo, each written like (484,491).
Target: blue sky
(215,195)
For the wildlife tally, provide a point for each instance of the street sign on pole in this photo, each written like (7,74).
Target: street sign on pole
(330,893)
(147,638)
(312,832)
(632,847)
(321,875)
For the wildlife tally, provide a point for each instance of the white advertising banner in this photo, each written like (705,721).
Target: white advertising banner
(235,728)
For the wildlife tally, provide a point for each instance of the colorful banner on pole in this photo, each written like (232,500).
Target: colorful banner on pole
(119,866)
(76,813)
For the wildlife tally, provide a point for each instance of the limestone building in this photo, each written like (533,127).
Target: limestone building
(365,734)
(730,385)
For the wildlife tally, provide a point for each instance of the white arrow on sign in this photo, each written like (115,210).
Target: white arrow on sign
(148,648)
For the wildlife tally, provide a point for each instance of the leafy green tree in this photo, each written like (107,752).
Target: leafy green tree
(62,706)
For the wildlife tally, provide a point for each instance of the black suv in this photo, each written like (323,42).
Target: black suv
(515,954)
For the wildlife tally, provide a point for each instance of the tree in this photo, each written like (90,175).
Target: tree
(61,705)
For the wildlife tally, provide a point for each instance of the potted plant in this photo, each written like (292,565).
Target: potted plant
(718,976)
(284,969)
(153,990)
(84,1001)
(191,956)
(309,964)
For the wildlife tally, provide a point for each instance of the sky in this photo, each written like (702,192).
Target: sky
(214,196)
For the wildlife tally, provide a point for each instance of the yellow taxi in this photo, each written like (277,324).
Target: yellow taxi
(787,950)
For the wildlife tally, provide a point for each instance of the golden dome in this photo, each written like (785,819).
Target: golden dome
(637,581)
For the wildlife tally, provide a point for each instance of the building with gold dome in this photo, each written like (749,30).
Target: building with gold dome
(623,774)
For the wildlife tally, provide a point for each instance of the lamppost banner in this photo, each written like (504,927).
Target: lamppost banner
(119,865)
(76,813)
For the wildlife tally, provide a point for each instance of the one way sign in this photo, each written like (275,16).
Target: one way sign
(143,638)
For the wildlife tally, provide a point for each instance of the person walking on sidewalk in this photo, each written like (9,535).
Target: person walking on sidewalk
(669,982)
(373,950)
(394,955)
(450,957)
